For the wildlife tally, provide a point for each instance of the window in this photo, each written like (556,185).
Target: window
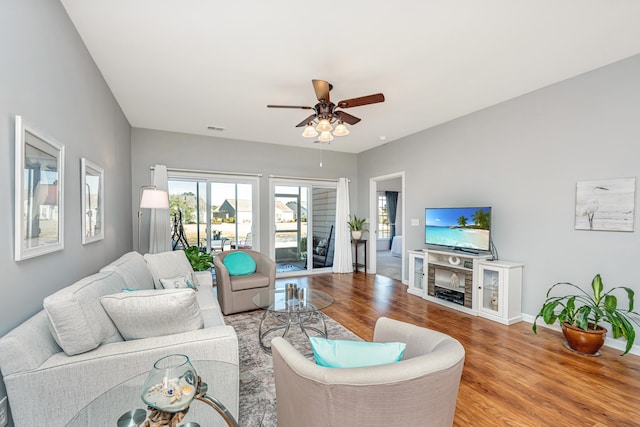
(384,227)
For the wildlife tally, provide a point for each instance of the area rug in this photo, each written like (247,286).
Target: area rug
(257,387)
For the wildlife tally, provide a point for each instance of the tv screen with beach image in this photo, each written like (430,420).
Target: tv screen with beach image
(466,228)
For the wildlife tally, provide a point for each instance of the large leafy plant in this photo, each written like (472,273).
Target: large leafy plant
(586,311)
(199,260)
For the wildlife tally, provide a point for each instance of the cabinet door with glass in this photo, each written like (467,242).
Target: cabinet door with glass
(500,291)
(416,273)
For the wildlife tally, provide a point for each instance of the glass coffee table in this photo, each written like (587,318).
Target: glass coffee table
(123,406)
(284,308)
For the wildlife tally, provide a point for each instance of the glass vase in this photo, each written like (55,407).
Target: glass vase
(171,384)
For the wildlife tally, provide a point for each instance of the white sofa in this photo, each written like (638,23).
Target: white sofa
(72,351)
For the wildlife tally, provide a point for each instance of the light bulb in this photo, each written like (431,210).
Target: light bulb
(309,132)
(341,130)
(324,126)
(325,136)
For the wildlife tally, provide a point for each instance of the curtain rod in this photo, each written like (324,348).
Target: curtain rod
(299,178)
(209,172)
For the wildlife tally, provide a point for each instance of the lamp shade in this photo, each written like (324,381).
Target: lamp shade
(325,137)
(341,130)
(154,199)
(324,126)
(309,132)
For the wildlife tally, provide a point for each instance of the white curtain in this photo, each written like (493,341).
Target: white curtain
(159,233)
(342,259)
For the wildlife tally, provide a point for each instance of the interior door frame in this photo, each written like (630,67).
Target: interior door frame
(373,213)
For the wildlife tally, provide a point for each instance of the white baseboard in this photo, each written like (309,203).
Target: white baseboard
(618,344)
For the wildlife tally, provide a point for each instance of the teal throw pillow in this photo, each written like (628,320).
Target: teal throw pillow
(239,264)
(355,354)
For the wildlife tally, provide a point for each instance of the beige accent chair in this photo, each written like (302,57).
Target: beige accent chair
(235,293)
(420,390)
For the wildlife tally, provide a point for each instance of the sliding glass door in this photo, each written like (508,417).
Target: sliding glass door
(213,212)
(303,222)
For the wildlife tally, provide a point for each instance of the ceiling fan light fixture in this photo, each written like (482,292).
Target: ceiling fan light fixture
(309,131)
(325,136)
(324,126)
(341,130)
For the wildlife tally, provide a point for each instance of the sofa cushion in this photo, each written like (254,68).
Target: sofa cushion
(133,270)
(153,313)
(164,265)
(251,281)
(180,282)
(354,354)
(77,320)
(239,264)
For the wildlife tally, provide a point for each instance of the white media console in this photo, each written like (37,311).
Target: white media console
(468,282)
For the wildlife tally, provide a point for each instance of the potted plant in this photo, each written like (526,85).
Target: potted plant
(199,260)
(580,315)
(356,225)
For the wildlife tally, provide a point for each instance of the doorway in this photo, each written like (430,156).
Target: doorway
(387,248)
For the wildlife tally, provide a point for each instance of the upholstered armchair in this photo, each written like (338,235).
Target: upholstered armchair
(235,293)
(420,390)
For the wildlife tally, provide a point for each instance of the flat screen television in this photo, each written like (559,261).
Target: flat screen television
(466,229)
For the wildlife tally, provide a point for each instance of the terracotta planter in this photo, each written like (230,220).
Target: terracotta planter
(587,342)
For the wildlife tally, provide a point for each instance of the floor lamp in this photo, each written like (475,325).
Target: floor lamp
(151,198)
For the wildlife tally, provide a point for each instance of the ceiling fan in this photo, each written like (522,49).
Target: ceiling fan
(326,112)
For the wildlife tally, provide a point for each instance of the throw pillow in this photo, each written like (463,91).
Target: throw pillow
(152,313)
(77,321)
(177,283)
(239,264)
(354,354)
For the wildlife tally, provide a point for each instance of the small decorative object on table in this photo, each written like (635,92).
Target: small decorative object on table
(169,390)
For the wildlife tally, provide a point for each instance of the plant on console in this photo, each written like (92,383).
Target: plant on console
(356,224)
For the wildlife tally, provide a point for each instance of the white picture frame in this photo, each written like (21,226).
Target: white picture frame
(92,201)
(39,193)
(605,204)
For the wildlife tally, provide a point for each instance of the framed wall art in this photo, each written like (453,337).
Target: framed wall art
(92,189)
(39,193)
(605,204)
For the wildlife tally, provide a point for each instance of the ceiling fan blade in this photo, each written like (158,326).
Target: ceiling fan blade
(290,106)
(363,100)
(322,89)
(306,121)
(346,117)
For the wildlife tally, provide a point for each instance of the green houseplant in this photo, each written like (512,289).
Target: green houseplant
(199,260)
(582,312)
(356,226)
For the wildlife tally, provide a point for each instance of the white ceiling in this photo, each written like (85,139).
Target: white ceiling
(185,65)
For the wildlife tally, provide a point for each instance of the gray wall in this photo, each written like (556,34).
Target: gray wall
(48,77)
(183,151)
(523,157)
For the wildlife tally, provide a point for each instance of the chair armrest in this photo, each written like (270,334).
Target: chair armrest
(266,266)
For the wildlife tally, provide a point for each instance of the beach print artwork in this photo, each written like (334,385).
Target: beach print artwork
(606,204)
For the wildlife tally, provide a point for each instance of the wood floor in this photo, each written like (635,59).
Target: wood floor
(511,376)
